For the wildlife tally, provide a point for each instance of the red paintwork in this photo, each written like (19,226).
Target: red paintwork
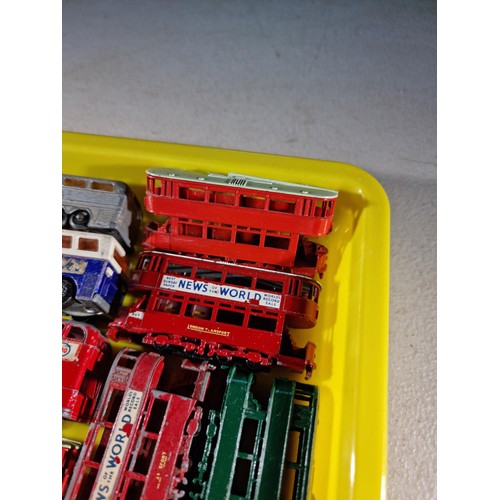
(298,295)
(70,450)
(217,326)
(237,245)
(86,358)
(148,455)
(238,206)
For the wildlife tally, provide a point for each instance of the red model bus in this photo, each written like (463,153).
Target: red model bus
(235,216)
(219,309)
(86,356)
(139,442)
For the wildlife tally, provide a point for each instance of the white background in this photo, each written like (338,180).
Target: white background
(348,81)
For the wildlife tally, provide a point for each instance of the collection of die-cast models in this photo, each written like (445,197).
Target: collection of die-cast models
(177,387)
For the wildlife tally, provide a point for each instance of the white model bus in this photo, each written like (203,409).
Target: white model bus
(94,270)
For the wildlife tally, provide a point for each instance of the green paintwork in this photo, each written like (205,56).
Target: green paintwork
(241,464)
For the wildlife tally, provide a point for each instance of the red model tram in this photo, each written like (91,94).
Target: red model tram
(219,309)
(139,442)
(239,218)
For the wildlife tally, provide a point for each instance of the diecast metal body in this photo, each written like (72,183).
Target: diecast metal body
(94,272)
(86,357)
(70,450)
(219,310)
(101,205)
(139,442)
(236,217)
(244,245)
(259,451)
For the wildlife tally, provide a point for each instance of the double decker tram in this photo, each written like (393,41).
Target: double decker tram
(139,442)
(239,218)
(219,310)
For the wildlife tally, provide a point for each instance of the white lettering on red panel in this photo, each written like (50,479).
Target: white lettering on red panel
(234,293)
(113,458)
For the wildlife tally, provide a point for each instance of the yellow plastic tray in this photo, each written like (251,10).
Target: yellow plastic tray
(349,459)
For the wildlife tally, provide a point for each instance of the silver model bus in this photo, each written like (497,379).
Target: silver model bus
(101,205)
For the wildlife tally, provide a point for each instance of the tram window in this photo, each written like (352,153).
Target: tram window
(219,233)
(248,436)
(199,311)
(273,286)
(241,478)
(208,274)
(144,263)
(156,415)
(126,362)
(320,209)
(191,194)
(96,456)
(252,201)
(306,290)
(262,323)
(247,238)
(222,198)
(329,209)
(282,206)
(293,446)
(230,317)
(289,475)
(135,486)
(194,230)
(179,269)
(114,405)
(168,306)
(235,279)
(277,242)
(156,264)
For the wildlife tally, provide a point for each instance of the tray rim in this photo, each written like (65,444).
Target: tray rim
(370,479)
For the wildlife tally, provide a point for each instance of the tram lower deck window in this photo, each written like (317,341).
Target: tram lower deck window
(262,323)
(230,317)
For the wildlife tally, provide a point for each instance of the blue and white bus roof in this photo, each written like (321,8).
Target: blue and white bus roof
(107,247)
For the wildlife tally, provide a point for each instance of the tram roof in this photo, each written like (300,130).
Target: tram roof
(244,181)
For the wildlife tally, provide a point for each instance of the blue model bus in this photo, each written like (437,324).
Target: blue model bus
(94,269)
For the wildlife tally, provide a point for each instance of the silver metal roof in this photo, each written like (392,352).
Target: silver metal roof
(246,181)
